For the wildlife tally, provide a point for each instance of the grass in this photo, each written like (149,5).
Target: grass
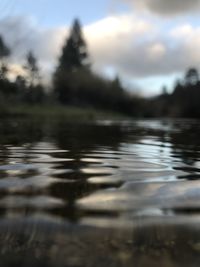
(69,113)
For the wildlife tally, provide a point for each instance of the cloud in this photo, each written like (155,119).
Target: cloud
(187,39)
(136,48)
(131,46)
(111,38)
(166,7)
(23,34)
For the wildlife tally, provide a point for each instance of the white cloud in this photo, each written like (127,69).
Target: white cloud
(156,51)
(131,46)
(22,34)
(136,48)
(188,39)
(126,43)
(114,40)
(181,31)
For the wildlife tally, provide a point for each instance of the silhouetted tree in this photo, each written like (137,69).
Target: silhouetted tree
(74,54)
(35,94)
(191,76)
(4,53)
(20,81)
(32,67)
(72,66)
(184,100)
(116,84)
(164,91)
(75,84)
(178,85)
(4,50)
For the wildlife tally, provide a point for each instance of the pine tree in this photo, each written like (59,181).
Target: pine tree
(74,54)
(191,76)
(4,53)
(72,66)
(32,68)
(4,50)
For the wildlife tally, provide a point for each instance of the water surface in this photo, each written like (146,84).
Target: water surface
(127,191)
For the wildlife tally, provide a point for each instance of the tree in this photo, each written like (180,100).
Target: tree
(4,52)
(36,93)
(116,84)
(32,67)
(73,64)
(74,54)
(191,76)
(164,91)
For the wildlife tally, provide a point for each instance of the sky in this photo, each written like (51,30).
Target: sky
(148,43)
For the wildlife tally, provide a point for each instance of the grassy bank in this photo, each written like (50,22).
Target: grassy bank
(56,111)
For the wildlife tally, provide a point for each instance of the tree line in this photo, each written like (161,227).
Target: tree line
(73,83)
(182,102)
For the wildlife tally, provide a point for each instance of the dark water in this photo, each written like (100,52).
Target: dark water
(99,194)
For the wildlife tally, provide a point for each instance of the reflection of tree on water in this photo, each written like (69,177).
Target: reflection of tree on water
(87,137)
(82,141)
(186,142)
(18,132)
(83,151)
(179,142)
(68,145)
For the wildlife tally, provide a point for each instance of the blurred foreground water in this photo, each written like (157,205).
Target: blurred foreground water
(99,194)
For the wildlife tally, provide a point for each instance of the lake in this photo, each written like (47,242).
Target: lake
(104,193)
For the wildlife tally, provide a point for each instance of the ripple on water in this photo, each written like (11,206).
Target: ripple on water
(142,168)
(95,169)
(40,202)
(139,197)
(129,192)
